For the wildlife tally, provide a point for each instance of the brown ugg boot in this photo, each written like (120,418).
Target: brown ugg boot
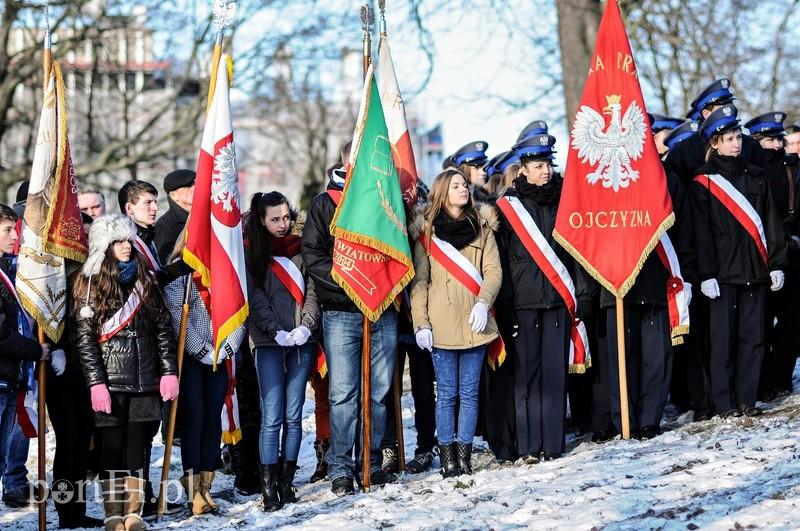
(113,504)
(206,479)
(193,487)
(134,502)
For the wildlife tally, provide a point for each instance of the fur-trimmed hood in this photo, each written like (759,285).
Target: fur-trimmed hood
(299,224)
(105,231)
(486,213)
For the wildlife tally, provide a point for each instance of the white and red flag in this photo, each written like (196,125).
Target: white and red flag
(394,111)
(214,243)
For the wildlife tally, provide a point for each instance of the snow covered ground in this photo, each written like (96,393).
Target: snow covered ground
(721,474)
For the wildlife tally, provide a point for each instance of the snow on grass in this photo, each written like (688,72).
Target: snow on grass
(719,474)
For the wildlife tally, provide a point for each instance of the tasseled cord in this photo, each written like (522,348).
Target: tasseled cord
(87,312)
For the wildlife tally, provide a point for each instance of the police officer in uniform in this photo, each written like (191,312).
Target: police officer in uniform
(734,273)
(661,126)
(782,315)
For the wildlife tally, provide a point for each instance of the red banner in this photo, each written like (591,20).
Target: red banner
(615,204)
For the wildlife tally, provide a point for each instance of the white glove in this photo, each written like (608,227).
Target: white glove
(283,338)
(424,338)
(479,316)
(58,360)
(299,335)
(710,288)
(687,289)
(777,278)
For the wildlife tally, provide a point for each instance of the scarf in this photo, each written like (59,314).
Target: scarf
(729,167)
(546,194)
(127,272)
(287,246)
(457,232)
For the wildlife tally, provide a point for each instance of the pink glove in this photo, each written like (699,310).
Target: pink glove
(169,387)
(101,400)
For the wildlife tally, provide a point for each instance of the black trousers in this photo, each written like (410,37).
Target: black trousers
(422,378)
(648,360)
(580,387)
(737,345)
(70,413)
(125,447)
(601,401)
(783,319)
(200,414)
(540,380)
(698,348)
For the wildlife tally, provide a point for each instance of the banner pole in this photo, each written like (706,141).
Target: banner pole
(623,372)
(40,461)
(173,407)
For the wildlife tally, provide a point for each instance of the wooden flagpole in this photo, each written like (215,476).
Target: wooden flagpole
(367,19)
(623,371)
(223,14)
(47,61)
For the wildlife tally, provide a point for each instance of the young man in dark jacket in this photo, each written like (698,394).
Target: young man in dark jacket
(342,327)
(16,347)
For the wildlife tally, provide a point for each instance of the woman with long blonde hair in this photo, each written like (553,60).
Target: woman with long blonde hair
(451,318)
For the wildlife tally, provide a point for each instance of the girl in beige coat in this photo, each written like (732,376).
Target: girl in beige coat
(450,320)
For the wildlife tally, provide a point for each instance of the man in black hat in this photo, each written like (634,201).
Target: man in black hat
(179,186)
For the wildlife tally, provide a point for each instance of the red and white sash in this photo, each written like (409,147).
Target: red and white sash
(123,316)
(231,429)
(468,275)
(150,258)
(290,276)
(739,207)
(335,195)
(546,259)
(677,296)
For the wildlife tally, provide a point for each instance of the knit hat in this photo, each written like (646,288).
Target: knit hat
(104,232)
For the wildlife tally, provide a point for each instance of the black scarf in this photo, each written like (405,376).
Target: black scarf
(546,194)
(457,232)
(729,167)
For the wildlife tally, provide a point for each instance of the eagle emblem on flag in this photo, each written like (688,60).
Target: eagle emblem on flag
(613,148)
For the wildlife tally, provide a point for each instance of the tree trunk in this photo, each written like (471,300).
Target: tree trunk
(578,21)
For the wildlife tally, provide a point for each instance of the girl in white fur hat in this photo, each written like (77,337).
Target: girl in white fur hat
(127,353)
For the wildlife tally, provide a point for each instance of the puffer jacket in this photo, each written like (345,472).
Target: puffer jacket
(272,307)
(440,302)
(135,358)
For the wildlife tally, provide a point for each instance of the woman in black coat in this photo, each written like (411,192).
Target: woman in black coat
(126,349)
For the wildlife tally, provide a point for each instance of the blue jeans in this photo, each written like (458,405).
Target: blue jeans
(343,334)
(13,446)
(282,375)
(202,397)
(458,374)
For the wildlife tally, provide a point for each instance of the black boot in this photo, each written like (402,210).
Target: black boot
(447,457)
(269,487)
(464,457)
(286,490)
(320,447)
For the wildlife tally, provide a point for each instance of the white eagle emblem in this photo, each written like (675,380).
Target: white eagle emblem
(224,179)
(614,149)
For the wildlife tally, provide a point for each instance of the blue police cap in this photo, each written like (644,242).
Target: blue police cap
(473,154)
(491,166)
(794,128)
(768,124)
(694,114)
(721,120)
(510,158)
(681,133)
(537,147)
(659,122)
(536,127)
(717,93)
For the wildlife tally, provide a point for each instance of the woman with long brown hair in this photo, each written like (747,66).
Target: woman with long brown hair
(126,348)
(458,277)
